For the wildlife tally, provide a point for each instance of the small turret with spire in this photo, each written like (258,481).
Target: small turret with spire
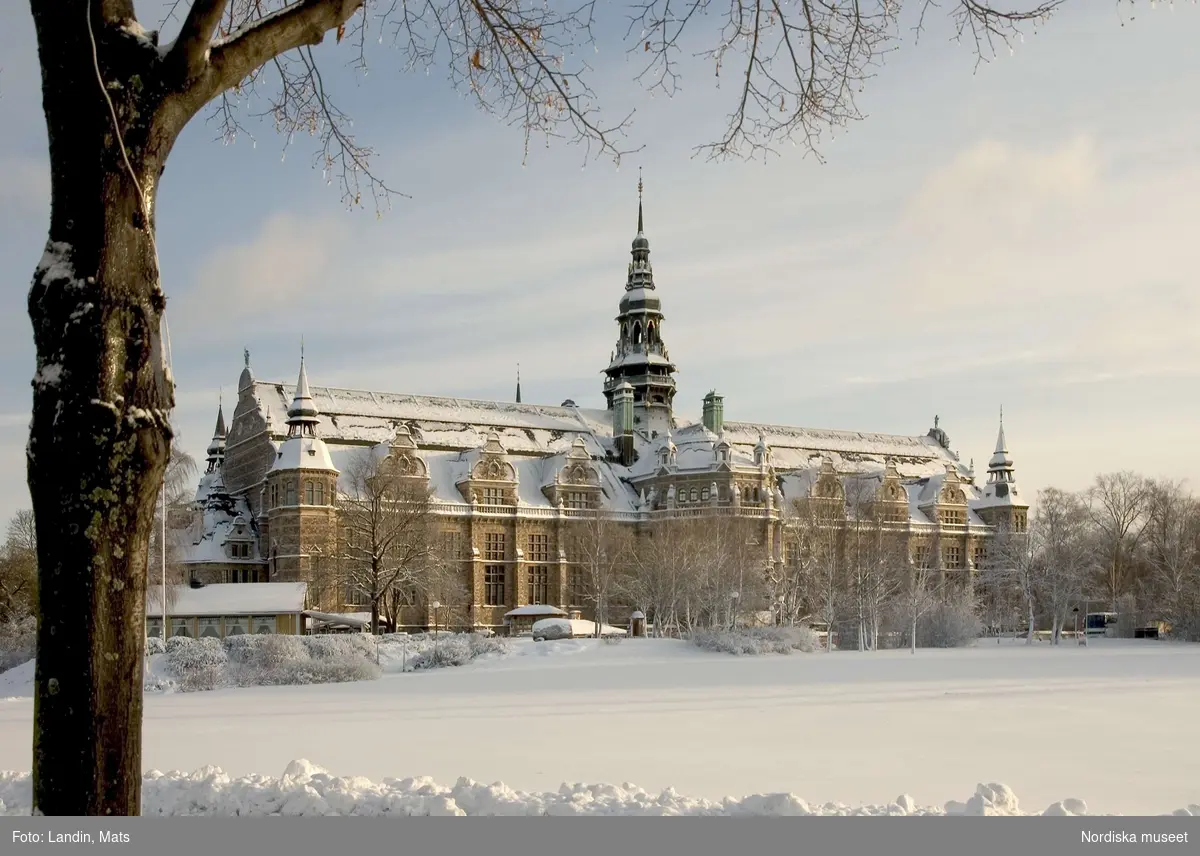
(216,448)
(1002,503)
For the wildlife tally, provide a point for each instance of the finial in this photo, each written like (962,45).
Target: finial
(640,229)
(935,421)
(246,356)
(220,397)
(301,347)
(1002,415)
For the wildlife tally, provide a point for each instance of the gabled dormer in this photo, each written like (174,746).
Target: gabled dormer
(577,484)
(891,497)
(403,457)
(492,479)
(239,543)
(947,505)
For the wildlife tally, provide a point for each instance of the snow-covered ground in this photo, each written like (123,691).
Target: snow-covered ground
(1108,724)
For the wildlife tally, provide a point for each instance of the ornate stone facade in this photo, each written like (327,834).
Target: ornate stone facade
(512,483)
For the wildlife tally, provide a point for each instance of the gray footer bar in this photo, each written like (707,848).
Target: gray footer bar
(597,836)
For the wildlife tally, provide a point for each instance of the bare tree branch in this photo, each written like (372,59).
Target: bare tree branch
(253,44)
(191,47)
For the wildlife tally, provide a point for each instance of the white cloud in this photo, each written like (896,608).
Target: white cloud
(279,270)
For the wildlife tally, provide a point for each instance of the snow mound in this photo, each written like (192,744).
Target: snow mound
(305,789)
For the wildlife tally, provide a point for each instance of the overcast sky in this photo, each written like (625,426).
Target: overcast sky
(1023,235)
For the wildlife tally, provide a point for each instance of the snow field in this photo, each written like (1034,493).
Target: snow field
(1109,723)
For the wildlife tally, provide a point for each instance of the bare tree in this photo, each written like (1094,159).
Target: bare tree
(826,592)
(602,555)
(1066,557)
(115,103)
(18,568)
(876,559)
(388,527)
(1118,504)
(665,560)
(920,593)
(178,483)
(1010,567)
(1172,548)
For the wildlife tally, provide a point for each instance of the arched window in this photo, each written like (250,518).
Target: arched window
(320,493)
(695,494)
(637,333)
(309,496)
(291,493)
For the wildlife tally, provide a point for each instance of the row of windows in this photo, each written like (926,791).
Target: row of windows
(312,492)
(495,578)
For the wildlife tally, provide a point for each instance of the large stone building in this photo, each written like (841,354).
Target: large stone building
(509,479)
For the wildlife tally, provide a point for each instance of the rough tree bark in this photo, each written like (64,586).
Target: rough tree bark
(102,393)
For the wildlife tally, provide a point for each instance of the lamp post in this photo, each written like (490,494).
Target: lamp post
(1077,638)
(434,606)
(733,601)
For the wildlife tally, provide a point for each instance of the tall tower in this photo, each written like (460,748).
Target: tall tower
(301,498)
(1002,505)
(641,358)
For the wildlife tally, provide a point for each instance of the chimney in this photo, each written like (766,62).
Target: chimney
(714,412)
(623,423)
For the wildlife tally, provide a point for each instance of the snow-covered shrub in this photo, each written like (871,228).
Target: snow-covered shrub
(198,664)
(155,645)
(612,639)
(18,642)
(341,646)
(456,650)
(311,671)
(950,624)
(757,640)
(279,651)
(270,660)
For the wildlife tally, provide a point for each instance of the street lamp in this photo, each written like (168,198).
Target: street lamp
(435,606)
(733,601)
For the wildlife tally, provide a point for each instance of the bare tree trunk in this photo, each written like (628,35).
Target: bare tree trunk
(101,403)
(1029,633)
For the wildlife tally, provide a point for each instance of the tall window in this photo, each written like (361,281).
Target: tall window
(921,556)
(577,587)
(309,496)
(977,557)
(493,496)
(953,556)
(319,493)
(539,548)
(493,585)
(539,584)
(452,544)
(493,547)
(274,495)
(291,493)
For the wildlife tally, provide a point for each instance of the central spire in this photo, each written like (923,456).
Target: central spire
(640,200)
(302,415)
(640,358)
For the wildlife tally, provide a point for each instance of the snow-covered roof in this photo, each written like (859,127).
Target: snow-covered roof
(338,619)
(230,599)
(303,453)
(219,522)
(534,609)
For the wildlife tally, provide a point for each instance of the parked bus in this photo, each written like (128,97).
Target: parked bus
(1100,624)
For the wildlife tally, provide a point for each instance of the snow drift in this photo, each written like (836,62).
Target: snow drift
(307,790)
